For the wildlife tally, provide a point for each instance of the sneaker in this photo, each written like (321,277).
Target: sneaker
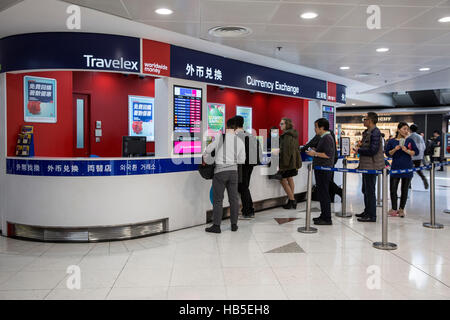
(393,213)
(322,222)
(214,229)
(361,215)
(234,227)
(366,219)
(401,213)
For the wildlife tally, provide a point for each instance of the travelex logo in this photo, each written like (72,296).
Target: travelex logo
(119,64)
(272,85)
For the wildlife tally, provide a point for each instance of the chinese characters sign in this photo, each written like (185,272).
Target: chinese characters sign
(141,117)
(39,99)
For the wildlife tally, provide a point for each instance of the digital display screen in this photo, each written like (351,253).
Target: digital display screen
(187,119)
(328,113)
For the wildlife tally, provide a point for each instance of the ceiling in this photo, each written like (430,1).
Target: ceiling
(337,37)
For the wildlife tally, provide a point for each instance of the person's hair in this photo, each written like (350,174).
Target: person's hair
(239,121)
(396,134)
(231,123)
(437,131)
(402,124)
(323,123)
(414,127)
(288,123)
(382,134)
(372,116)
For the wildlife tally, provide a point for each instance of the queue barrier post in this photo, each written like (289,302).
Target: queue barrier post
(379,201)
(432,224)
(343,213)
(384,244)
(307,228)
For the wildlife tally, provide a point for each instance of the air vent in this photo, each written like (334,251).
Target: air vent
(366,75)
(230,31)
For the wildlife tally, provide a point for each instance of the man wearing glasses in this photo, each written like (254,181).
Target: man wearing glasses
(370,150)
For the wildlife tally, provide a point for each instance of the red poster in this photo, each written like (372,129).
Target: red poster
(331,91)
(155,58)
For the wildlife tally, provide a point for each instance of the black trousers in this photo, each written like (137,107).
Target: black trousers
(394,182)
(334,188)
(323,179)
(244,191)
(417,164)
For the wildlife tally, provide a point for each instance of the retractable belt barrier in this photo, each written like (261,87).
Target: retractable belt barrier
(384,244)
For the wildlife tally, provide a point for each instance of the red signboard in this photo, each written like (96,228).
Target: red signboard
(155,58)
(331,91)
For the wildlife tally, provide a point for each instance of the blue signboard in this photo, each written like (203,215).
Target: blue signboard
(70,50)
(82,168)
(204,67)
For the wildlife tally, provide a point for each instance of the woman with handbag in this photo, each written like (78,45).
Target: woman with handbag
(229,152)
(290,160)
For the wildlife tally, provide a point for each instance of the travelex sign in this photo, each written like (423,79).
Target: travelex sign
(93,51)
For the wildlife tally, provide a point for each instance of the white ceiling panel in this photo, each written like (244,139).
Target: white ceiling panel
(238,12)
(332,48)
(405,60)
(345,34)
(189,28)
(445,4)
(291,33)
(432,51)
(390,16)
(416,36)
(362,59)
(145,10)
(289,13)
(423,3)
(4,4)
(442,61)
(112,6)
(430,19)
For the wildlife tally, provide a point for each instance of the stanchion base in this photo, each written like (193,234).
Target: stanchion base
(433,226)
(447,211)
(346,215)
(379,205)
(384,246)
(304,230)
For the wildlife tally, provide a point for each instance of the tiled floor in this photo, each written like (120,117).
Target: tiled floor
(338,262)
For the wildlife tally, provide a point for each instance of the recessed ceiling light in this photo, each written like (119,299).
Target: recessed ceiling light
(424,69)
(444,19)
(353,104)
(309,15)
(344,68)
(382,49)
(229,31)
(163,11)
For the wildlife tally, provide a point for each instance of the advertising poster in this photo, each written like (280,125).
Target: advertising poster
(246,113)
(216,118)
(447,146)
(141,117)
(39,99)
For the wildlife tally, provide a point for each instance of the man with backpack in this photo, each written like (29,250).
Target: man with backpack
(253,156)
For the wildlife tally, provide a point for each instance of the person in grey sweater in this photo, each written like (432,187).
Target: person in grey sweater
(229,153)
(418,158)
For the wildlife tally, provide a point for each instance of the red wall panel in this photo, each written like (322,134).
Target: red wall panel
(109,104)
(50,139)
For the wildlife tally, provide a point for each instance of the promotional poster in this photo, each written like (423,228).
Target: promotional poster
(39,99)
(141,117)
(216,118)
(246,113)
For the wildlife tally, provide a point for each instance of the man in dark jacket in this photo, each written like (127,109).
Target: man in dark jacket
(253,157)
(334,188)
(370,150)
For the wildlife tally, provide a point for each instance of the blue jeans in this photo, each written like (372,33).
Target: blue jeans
(369,182)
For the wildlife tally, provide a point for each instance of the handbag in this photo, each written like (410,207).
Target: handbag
(206,170)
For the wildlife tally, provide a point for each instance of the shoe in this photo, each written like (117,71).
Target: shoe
(339,192)
(316,219)
(291,204)
(393,213)
(214,229)
(234,227)
(366,219)
(321,222)
(361,215)
(401,213)
(426,185)
(245,217)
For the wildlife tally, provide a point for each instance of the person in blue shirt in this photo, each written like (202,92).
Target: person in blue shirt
(401,149)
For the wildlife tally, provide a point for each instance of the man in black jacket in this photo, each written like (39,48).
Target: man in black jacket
(334,188)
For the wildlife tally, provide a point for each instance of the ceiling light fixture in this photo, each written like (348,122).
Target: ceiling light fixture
(309,15)
(164,11)
(344,68)
(382,49)
(424,69)
(444,19)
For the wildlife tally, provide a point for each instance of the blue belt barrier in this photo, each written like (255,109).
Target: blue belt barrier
(379,171)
